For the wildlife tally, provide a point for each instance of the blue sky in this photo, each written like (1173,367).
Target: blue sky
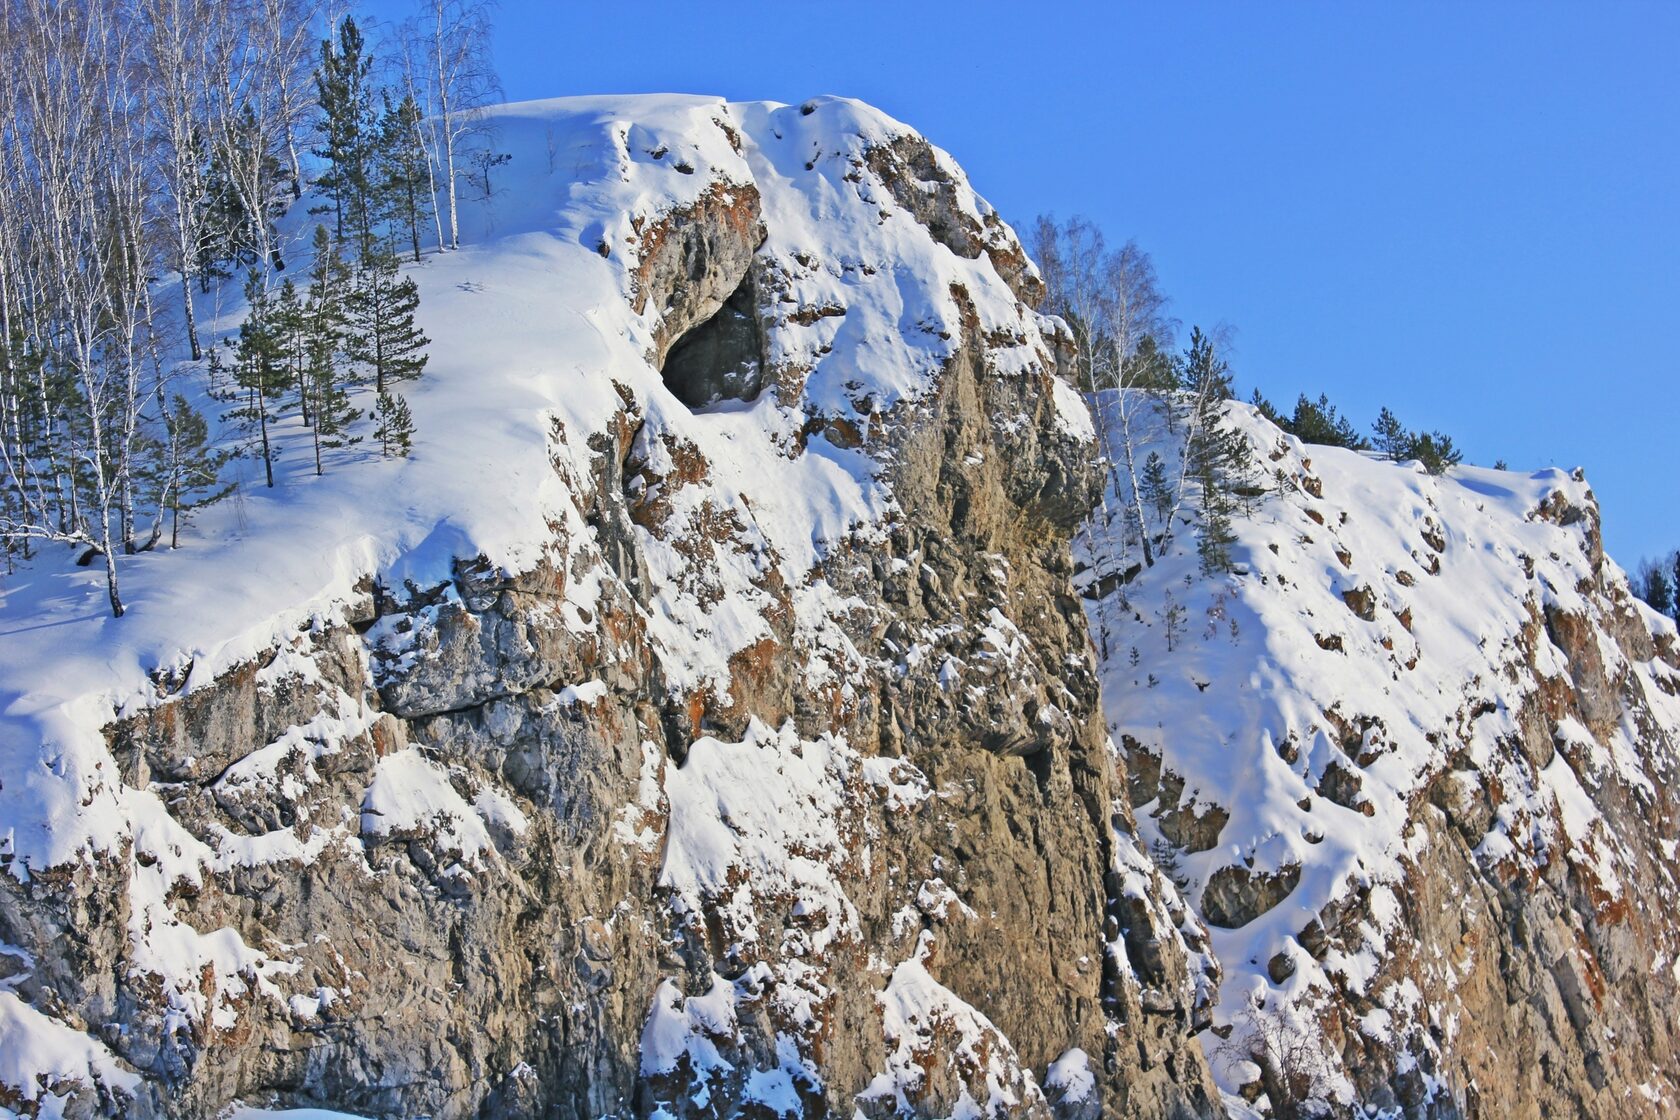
(1467,212)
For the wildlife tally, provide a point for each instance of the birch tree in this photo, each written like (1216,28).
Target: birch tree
(285,30)
(79,230)
(247,126)
(1112,303)
(456,34)
(177,76)
(147,145)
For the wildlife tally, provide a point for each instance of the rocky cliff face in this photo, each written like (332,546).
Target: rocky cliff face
(705,721)
(766,775)
(1413,761)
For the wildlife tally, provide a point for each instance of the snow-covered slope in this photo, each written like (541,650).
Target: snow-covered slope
(372,799)
(1414,693)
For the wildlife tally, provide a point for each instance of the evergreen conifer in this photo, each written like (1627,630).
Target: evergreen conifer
(1392,438)
(326,318)
(395,427)
(261,366)
(190,466)
(383,333)
(404,169)
(347,129)
(1156,490)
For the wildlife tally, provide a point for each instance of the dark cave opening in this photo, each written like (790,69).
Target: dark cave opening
(722,359)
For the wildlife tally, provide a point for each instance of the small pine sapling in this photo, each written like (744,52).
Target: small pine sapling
(395,426)
(485,159)
(325,326)
(1172,619)
(262,369)
(1157,492)
(190,469)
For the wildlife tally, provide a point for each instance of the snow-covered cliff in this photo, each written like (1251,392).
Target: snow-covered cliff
(1412,762)
(700,720)
(708,718)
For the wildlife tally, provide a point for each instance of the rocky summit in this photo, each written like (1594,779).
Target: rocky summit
(746,701)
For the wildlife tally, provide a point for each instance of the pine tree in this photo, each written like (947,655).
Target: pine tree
(1205,378)
(261,363)
(191,466)
(405,169)
(1675,582)
(289,327)
(1242,476)
(326,305)
(1392,438)
(484,160)
(334,412)
(1214,541)
(1204,373)
(326,322)
(222,217)
(1267,409)
(395,429)
(347,129)
(1156,490)
(1652,585)
(1212,455)
(1150,367)
(1435,451)
(383,333)
(1319,422)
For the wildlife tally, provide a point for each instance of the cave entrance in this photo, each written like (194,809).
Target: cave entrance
(722,359)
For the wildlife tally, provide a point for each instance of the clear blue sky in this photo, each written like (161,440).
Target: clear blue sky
(1468,212)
